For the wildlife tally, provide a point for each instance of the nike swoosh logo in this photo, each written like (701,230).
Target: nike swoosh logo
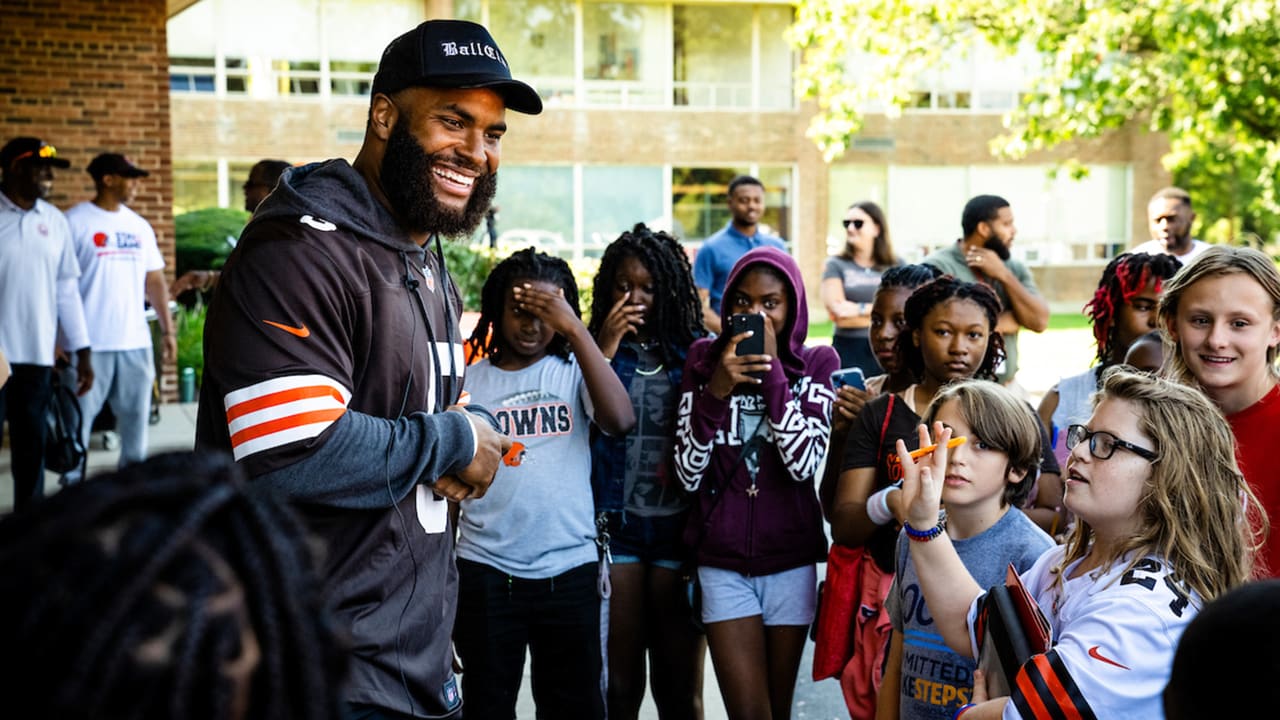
(1093,653)
(300,331)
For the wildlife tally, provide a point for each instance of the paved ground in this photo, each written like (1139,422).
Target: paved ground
(1044,359)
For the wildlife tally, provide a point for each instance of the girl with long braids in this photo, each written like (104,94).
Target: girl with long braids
(527,562)
(166,589)
(949,335)
(645,314)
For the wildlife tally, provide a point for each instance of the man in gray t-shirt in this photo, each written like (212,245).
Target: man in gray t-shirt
(982,255)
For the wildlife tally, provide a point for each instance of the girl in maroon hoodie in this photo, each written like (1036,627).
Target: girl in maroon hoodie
(751,432)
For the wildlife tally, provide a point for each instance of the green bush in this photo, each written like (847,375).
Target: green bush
(200,237)
(191,339)
(469,266)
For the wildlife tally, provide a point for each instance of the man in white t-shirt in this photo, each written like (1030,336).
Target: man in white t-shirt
(38,274)
(120,265)
(1169,219)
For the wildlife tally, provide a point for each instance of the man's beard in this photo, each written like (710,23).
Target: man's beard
(406,180)
(995,245)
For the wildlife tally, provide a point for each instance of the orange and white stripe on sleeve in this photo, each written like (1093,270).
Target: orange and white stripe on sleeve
(281,411)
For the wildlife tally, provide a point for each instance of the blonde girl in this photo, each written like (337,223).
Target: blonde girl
(1221,317)
(1161,531)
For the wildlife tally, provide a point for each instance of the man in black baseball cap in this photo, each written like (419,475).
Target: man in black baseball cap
(332,369)
(114,164)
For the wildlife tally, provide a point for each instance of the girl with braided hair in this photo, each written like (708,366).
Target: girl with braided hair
(527,560)
(949,335)
(1122,309)
(167,589)
(645,314)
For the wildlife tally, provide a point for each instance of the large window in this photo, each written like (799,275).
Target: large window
(645,54)
(700,200)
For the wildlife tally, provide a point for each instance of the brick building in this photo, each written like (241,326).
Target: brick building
(651,108)
(91,77)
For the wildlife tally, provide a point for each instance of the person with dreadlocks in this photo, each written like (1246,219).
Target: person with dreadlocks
(167,589)
(645,314)
(949,335)
(527,559)
(1123,308)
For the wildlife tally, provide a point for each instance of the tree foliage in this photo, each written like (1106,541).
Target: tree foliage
(1205,72)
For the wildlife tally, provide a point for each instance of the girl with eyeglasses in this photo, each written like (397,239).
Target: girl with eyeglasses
(1165,524)
(1221,317)
(849,282)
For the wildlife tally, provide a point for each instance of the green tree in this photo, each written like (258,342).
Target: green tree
(1204,72)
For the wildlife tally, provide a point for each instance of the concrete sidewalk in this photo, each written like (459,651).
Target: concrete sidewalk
(175,431)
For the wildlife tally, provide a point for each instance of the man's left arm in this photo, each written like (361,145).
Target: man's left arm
(1028,308)
(158,296)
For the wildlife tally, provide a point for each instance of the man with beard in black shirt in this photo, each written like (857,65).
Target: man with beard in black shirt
(333,359)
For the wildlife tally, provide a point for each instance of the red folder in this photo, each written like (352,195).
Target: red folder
(1012,629)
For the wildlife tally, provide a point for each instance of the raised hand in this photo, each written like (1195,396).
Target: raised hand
(549,307)
(622,320)
(734,368)
(922,479)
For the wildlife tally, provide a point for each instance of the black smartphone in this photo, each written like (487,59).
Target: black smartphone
(848,376)
(741,323)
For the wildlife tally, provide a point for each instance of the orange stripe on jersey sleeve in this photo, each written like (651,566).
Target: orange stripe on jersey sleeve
(245,407)
(285,423)
(1029,695)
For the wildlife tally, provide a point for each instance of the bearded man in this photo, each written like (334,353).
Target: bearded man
(982,255)
(333,358)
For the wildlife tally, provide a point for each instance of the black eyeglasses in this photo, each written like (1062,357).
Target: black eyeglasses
(858,223)
(1102,445)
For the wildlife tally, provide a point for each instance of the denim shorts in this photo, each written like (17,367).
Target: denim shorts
(651,540)
(789,597)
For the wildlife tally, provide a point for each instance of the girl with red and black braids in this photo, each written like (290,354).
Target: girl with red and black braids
(1122,310)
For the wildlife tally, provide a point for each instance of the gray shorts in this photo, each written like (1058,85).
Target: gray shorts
(789,597)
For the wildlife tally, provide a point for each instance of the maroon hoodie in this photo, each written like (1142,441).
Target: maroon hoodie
(778,525)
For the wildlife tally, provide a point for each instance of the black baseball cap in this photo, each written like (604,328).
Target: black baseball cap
(452,54)
(114,164)
(29,147)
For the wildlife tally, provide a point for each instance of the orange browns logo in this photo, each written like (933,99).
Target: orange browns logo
(300,331)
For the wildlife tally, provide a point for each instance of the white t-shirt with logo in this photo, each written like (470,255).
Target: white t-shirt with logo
(116,250)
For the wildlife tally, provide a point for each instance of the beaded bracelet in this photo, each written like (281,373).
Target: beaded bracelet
(963,709)
(922,535)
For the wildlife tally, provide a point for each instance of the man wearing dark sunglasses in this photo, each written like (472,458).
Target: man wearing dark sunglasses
(982,255)
(263,177)
(38,293)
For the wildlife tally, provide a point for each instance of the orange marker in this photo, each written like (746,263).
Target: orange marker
(514,456)
(953,442)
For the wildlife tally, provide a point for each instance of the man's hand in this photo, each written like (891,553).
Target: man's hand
(170,352)
(987,262)
(473,481)
(84,371)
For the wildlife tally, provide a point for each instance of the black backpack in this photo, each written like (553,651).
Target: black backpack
(63,450)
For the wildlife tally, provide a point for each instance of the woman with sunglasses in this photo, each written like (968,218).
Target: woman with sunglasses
(849,282)
(1162,530)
